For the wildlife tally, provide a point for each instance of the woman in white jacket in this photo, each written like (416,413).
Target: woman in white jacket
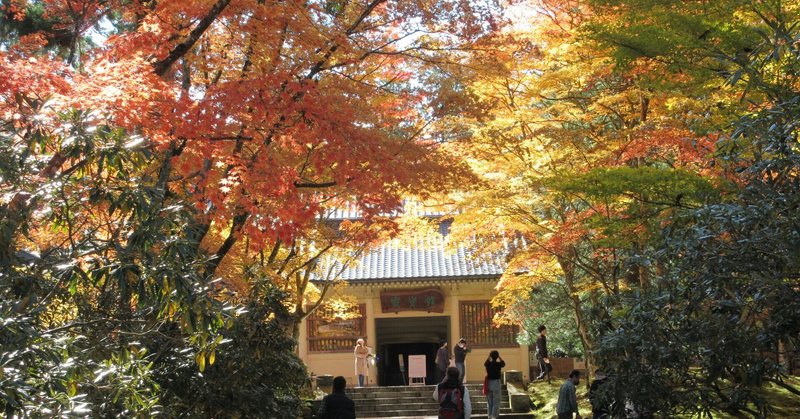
(361,352)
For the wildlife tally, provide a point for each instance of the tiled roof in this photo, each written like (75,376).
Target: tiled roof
(409,208)
(426,259)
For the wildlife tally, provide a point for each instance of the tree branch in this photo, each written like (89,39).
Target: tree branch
(314,184)
(181,49)
(236,227)
(783,385)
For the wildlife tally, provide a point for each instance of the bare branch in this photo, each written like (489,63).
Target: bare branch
(181,49)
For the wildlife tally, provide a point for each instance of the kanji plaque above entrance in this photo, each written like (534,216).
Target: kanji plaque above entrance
(420,299)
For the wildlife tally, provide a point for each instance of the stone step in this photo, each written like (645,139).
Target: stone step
(400,389)
(397,411)
(428,412)
(395,414)
(404,389)
(417,402)
(502,415)
(406,396)
(476,407)
(403,401)
(423,402)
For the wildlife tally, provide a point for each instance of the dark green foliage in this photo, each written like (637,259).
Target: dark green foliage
(104,304)
(688,35)
(256,372)
(704,339)
(34,373)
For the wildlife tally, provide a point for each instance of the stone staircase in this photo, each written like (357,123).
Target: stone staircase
(417,402)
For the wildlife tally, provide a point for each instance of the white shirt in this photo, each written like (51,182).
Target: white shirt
(467,404)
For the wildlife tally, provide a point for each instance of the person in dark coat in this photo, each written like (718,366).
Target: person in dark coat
(442,361)
(494,364)
(337,405)
(567,406)
(542,355)
(460,352)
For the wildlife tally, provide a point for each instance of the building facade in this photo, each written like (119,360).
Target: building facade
(409,299)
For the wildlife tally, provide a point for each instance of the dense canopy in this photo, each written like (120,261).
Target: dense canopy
(169,170)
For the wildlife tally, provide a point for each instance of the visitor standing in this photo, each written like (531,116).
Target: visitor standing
(453,397)
(541,354)
(567,397)
(337,405)
(362,367)
(442,361)
(493,366)
(460,352)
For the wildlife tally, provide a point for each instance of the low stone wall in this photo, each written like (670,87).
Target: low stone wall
(325,383)
(561,367)
(518,397)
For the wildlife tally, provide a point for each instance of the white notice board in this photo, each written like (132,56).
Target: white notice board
(416,368)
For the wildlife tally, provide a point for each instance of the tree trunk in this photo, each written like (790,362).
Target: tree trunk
(580,322)
(296,329)
(583,332)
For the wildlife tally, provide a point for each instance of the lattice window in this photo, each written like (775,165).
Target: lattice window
(336,335)
(477,327)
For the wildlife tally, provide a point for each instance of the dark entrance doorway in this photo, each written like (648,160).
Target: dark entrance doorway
(398,337)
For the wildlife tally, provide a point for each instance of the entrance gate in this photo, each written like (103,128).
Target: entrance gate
(406,336)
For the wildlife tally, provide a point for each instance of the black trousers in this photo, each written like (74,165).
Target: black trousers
(440,375)
(544,367)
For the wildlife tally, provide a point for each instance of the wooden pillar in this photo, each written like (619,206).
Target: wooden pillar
(372,334)
(455,318)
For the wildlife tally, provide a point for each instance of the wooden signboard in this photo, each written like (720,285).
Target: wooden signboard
(419,299)
(416,370)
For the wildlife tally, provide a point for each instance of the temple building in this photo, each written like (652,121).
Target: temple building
(410,298)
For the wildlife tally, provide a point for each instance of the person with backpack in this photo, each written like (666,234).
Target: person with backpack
(493,366)
(453,397)
(337,405)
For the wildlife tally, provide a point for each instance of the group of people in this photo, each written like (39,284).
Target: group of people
(443,359)
(451,393)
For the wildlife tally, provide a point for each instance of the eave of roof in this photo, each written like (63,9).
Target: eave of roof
(423,260)
(410,208)
(423,280)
